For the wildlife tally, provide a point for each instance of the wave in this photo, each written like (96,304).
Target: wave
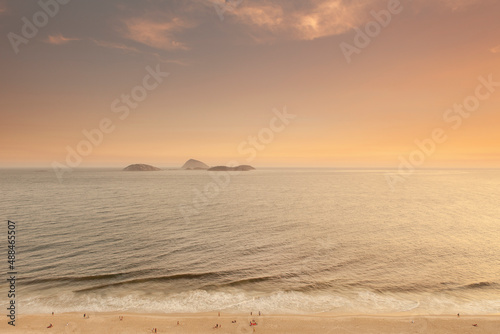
(480,285)
(73,279)
(251,280)
(186,276)
(278,302)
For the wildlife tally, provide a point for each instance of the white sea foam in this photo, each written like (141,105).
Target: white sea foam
(276,303)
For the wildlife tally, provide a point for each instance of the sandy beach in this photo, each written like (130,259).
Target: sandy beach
(205,322)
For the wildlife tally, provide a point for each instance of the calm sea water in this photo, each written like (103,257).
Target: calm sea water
(275,240)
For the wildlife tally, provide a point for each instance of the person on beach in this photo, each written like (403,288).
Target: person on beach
(50,326)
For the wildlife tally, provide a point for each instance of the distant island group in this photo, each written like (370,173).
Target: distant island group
(191,164)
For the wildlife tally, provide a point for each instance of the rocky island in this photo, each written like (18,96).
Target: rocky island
(194,164)
(239,168)
(140,168)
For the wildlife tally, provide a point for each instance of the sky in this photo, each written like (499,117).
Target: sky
(286,83)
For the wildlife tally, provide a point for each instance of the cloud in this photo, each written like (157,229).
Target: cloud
(268,16)
(114,45)
(328,18)
(157,33)
(306,21)
(130,49)
(495,49)
(59,39)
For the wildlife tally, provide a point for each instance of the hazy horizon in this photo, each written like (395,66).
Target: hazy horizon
(256,166)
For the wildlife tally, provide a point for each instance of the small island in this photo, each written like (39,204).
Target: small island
(194,164)
(140,168)
(240,168)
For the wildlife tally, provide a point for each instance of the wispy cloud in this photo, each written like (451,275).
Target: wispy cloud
(59,39)
(114,45)
(157,33)
(268,16)
(307,21)
(328,18)
(130,49)
(495,49)
(320,18)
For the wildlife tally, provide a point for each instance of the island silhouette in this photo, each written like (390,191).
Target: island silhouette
(191,164)
(240,168)
(140,168)
(194,164)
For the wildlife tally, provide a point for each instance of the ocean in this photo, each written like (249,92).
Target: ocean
(269,240)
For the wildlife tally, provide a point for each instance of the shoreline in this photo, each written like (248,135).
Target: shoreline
(109,322)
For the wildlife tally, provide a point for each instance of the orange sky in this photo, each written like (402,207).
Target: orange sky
(226,76)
